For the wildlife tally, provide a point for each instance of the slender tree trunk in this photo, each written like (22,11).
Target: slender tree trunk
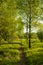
(30,24)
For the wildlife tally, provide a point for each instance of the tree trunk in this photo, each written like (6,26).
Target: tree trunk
(30,24)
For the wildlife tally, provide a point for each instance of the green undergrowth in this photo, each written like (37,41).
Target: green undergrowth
(10,46)
(9,54)
(34,55)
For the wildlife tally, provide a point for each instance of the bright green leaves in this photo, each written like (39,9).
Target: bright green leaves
(7,20)
(40,35)
(9,27)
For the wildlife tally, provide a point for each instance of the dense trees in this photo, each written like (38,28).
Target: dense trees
(15,15)
(30,11)
(8,24)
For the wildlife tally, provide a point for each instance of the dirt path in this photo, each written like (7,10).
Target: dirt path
(22,55)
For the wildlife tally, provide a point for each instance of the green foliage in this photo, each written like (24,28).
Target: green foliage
(5,21)
(9,27)
(34,56)
(9,54)
(15,15)
(40,35)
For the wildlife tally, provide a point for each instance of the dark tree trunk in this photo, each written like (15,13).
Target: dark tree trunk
(30,24)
